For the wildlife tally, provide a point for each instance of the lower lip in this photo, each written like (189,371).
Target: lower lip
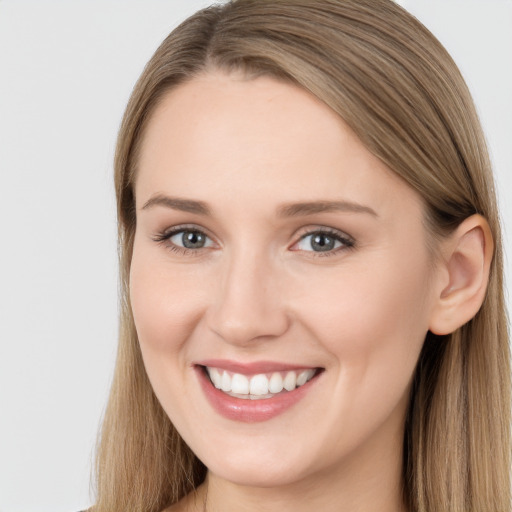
(250,411)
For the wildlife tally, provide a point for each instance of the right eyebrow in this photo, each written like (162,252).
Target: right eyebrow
(177,203)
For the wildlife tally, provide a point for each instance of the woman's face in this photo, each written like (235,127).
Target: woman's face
(272,249)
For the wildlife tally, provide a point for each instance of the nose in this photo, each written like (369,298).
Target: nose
(248,304)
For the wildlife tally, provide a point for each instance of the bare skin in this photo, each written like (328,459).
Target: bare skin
(349,289)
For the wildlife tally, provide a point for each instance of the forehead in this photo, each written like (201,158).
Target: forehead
(228,137)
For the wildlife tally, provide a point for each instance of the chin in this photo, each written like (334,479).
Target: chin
(257,464)
(258,474)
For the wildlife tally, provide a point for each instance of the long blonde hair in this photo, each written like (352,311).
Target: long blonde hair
(398,89)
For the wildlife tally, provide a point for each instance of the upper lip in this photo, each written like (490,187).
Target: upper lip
(252,368)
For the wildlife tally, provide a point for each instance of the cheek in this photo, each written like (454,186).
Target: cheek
(372,318)
(166,306)
(164,316)
(166,303)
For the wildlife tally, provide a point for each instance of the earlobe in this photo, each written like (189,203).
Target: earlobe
(467,260)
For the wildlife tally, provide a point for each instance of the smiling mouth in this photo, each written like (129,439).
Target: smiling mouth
(259,386)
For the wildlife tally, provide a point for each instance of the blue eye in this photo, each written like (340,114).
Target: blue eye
(190,239)
(323,241)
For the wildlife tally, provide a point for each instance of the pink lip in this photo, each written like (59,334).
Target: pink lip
(246,410)
(250,368)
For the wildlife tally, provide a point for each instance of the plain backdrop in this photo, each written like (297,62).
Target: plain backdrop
(66,71)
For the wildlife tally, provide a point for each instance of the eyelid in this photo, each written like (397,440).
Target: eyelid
(163,237)
(348,242)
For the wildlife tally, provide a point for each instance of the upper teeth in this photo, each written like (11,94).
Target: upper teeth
(261,385)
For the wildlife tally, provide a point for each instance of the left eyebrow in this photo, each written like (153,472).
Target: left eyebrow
(313,207)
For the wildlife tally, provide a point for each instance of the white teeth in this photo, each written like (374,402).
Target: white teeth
(225,383)
(240,384)
(290,381)
(216,377)
(275,384)
(258,386)
(304,376)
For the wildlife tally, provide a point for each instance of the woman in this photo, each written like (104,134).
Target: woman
(312,298)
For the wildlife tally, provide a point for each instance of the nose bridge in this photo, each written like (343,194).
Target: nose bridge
(248,303)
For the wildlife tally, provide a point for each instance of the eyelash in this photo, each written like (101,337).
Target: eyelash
(165,236)
(346,241)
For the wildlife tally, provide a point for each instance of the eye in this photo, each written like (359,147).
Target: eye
(190,239)
(184,240)
(323,241)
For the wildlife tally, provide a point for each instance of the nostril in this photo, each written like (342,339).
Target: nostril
(247,307)
(249,329)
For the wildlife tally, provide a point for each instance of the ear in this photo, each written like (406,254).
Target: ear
(464,274)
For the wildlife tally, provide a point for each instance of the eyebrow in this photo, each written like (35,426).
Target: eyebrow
(176,203)
(287,210)
(313,207)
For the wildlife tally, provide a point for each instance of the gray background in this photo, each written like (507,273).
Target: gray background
(66,70)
